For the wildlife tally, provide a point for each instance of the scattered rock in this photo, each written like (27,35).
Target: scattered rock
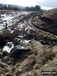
(9,47)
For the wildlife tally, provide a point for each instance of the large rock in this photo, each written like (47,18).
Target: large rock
(20,47)
(36,46)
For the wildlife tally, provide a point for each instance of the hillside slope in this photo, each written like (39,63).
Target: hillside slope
(33,35)
(47,21)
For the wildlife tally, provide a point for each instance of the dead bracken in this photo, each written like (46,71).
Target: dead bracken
(27,44)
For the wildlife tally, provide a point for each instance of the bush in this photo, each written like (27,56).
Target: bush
(5,53)
(50,41)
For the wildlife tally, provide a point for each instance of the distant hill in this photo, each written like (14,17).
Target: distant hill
(15,7)
(9,7)
(36,8)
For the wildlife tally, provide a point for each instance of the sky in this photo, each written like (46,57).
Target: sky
(45,4)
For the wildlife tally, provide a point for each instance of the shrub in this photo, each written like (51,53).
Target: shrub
(5,53)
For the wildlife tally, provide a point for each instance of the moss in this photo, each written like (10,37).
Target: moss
(5,53)
(17,41)
(50,41)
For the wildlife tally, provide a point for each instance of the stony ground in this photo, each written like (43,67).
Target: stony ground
(28,29)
